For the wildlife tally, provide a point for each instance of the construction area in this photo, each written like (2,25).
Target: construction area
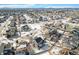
(39,31)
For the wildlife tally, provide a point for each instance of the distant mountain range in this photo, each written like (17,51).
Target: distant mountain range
(39,9)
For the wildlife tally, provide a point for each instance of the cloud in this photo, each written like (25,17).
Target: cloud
(62,7)
(16,6)
(39,6)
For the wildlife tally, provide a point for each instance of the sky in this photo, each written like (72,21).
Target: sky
(39,5)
